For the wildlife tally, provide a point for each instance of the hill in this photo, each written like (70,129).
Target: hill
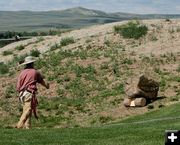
(88,70)
(77,17)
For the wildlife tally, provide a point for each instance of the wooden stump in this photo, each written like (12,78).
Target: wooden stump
(127,102)
(140,102)
(134,102)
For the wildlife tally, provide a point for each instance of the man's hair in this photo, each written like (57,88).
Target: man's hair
(29,65)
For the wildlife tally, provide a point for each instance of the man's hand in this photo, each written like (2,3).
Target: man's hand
(47,85)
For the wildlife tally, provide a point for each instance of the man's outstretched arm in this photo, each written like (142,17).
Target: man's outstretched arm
(40,79)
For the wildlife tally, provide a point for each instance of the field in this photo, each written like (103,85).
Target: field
(147,129)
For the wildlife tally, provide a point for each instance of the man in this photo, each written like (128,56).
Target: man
(26,86)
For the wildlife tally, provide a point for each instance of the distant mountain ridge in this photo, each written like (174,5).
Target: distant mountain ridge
(64,19)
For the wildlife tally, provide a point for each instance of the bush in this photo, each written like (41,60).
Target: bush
(35,53)
(127,61)
(54,47)
(10,91)
(19,59)
(79,70)
(39,39)
(77,88)
(162,84)
(67,41)
(150,107)
(19,48)
(7,52)
(178,69)
(131,30)
(105,119)
(3,68)
(60,92)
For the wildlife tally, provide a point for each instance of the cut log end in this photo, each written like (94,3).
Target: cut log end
(137,102)
(127,102)
(140,102)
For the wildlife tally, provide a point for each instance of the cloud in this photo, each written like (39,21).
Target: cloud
(131,6)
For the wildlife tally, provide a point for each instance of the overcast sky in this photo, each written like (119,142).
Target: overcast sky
(131,6)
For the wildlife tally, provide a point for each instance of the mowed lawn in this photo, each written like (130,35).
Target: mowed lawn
(126,133)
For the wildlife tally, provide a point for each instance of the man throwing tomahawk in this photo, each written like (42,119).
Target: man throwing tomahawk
(26,86)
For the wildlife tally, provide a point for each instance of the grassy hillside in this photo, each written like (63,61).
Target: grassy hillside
(64,19)
(147,133)
(88,75)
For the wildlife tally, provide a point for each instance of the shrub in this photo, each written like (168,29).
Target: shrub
(60,92)
(150,107)
(131,30)
(127,61)
(161,106)
(7,52)
(10,91)
(67,41)
(66,78)
(40,39)
(104,66)
(174,78)
(154,38)
(3,68)
(115,68)
(19,59)
(168,20)
(54,47)
(19,48)
(79,70)
(35,53)
(105,119)
(120,89)
(178,69)
(83,54)
(77,88)
(107,43)
(174,98)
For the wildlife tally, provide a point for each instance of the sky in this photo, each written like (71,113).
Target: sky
(129,6)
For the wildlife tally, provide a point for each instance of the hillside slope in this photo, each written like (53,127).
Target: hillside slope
(162,37)
(88,76)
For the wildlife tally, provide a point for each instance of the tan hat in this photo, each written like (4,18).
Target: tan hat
(28,59)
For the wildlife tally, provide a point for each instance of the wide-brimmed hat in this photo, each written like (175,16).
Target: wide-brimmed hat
(28,60)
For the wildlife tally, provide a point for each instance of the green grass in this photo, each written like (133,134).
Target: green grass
(10,91)
(7,52)
(35,53)
(147,133)
(19,48)
(66,41)
(131,30)
(171,111)
(4,68)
